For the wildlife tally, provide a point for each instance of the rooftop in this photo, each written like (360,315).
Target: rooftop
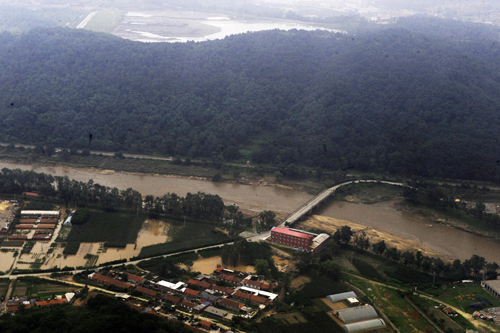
(290,232)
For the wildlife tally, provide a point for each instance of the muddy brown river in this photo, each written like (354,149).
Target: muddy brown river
(383,216)
(452,242)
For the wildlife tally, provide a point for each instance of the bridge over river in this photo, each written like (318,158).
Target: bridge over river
(308,207)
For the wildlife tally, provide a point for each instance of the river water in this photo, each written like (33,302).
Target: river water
(383,216)
(255,198)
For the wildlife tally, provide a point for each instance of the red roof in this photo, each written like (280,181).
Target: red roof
(187,304)
(32,194)
(46,226)
(28,221)
(223,290)
(252,298)
(135,278)
(231,303)
(104,279)
(25,226)
(205,323)
(191,292)
(51,302)
(172,299)
(136,307)
(219,269)
(253,283)
(146,291)
(230,278)
(200,284)
(287,231)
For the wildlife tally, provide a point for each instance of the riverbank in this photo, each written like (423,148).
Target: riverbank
(202,170)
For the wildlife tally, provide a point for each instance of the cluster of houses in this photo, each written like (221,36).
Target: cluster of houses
(224,294)
(36,225)
(14,304)
(353,316)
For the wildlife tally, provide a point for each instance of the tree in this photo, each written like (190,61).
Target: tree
(491,271)
(331,270)
(81,216)
(85,152)
(262,267)
(379,247)
(267,218)
(343,235)
(361,241)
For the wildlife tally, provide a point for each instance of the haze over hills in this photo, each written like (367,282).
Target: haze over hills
(391,100)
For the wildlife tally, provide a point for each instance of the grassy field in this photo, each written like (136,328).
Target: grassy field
(188,236)
(396,308)
(39,205)
(462,295)
(102,226)
(71,248)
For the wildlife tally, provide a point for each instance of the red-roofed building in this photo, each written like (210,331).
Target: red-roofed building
(135,278)
(252,298)
(172,299)
(25,226)
(219,269)
(222,290)
(18,237)
(229,278)
(252,284)
(52,302)
(190,293)
(46,226)
(230,304)
(292,238)
(136,307)
(205,324)
(147,291)
(187,304)
(109,281)
(15,308)
(199,284)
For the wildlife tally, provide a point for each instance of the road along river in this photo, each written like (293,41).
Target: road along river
(453,243)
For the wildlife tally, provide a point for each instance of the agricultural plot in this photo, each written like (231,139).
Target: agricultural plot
(4,286)
(396,308)
(118,227)
(186,236)
(38,288)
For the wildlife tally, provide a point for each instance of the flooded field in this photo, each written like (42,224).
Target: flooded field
(152,232)
(6,213)
(183,26)
(208,265)
(6,260)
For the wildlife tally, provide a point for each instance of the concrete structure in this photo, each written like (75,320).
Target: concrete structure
(26,214)
(289,237)
(217,312)
(299,239)
(355,314)
(492,286)
(364,325)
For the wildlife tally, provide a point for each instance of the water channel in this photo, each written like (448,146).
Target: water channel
(382,216)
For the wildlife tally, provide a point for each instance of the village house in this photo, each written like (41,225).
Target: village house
(108,281)
(230,304)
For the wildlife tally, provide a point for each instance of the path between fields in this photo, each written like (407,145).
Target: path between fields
(478,324)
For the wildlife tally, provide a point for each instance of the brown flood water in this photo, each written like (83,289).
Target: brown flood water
(383,216)
(251,197)
(208,265)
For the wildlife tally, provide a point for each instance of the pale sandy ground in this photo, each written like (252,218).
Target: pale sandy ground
(330,225)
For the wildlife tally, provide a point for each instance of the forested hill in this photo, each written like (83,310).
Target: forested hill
(390,100)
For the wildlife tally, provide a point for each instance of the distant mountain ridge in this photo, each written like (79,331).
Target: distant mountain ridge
(391,100)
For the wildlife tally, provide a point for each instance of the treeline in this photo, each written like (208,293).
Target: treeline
(390,100)
(101,313)
(199,205)
(422,192)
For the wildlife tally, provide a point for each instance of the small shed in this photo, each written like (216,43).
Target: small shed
(353,301)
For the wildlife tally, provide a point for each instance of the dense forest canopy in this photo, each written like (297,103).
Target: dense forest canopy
(391,100)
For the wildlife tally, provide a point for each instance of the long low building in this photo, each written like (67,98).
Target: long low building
(358,313)
(26,214)
(364,325)
(298,239)
(492,286)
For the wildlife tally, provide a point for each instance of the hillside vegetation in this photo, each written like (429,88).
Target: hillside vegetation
(392,100)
